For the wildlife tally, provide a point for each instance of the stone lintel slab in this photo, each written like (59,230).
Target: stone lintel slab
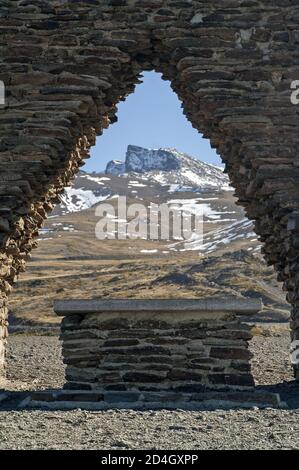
(199,306)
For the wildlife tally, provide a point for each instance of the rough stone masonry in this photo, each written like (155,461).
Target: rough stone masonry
(151,353)
(66,64)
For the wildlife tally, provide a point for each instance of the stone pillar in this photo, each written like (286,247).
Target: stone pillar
(291,282)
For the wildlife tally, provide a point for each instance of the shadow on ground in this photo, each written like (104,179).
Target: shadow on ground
(288,392)
(18,400)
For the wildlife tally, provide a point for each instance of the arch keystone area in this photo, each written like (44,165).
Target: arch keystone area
(66,65)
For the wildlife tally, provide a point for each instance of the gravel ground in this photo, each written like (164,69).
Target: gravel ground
(34,362)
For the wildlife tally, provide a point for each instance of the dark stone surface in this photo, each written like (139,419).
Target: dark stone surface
(232,379)
(158,362)
(230,353)
(120,342)
(143,377)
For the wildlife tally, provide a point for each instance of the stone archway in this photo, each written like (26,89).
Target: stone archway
(67,64)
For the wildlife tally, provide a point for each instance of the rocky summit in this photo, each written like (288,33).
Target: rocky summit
(169,166)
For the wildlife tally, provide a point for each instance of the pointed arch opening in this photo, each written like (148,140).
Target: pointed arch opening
(79,265)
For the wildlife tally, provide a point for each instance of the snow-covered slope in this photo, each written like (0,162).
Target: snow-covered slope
(75,200)
(165,176)
(87,190)
(169,167)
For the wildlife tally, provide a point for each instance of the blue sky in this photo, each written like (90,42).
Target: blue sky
(151,117)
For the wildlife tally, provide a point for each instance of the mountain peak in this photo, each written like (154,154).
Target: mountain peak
(168,166)
(115,167)
(140,160)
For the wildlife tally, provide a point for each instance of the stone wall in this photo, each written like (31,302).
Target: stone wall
(67,64)
(156,353)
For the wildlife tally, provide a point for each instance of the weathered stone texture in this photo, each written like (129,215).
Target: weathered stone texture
(154,351)
(158,357)
(67,64)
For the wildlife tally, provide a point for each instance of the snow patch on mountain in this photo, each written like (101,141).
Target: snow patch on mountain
(96,179)
(238,230)
(213,240)
(75,200)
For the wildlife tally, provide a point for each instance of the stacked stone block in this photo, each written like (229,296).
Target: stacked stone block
(183,353)
(66,65)
(111,353)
